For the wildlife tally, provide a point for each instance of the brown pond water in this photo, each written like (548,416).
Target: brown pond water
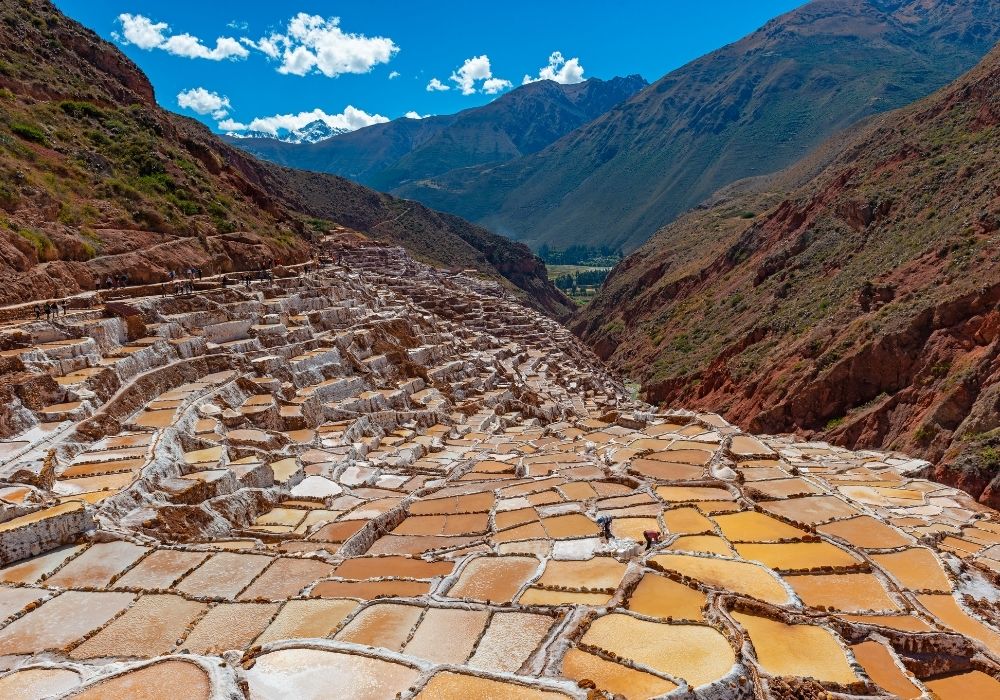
(401,567)
(687,521)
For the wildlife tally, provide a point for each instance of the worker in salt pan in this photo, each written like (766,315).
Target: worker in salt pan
(604,521)
(652,537)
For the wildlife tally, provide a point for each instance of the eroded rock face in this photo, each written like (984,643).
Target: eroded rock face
(377,478)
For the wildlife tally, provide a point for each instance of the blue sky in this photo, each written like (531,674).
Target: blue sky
(283,63)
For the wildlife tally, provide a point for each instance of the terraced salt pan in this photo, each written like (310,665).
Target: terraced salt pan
(708,544)
(224,575)
(881,666)
(229,626)
(842,592)
(946,608)
(494,579)
(916,569)
(797,650)
(751,526)
(285,578)
(509,640)
(866,532)
(33,569)
(796,556)
(97,566)
(447,685)
(963,686)
(447,635)
(61,621)
(696,653)
(386,625)
(160,569)
(300,619)
(149,628)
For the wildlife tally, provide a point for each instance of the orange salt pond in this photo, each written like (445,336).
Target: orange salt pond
(811,510)
(659,596)
(509,640)
(571,525)
(369,590)
(32,570)
(843,592)
(164,680)
(285,578)
(494,579)
(679,494)
(797,650)
(160,569)
(447,635)
(386,625)
(916,569)
(632,528)
(37,683)
(881,666)
(948,611)
(614,678)
(447,685)
(224,575)
(665,471)
(540,596)
(313,674)
(751,526)
(866,532)
(727,574)
(796,555)
(964,686)
(697,653)
(299,619)
(401,567)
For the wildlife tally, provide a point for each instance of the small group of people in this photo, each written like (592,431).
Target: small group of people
(652,537)
(115,281)
(51,309)
(190,274)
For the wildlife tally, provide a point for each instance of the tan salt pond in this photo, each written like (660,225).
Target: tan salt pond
(612,677)
(313,674)
(743,445)
(38,683)
(964,686)
(881,666)
(710,544)
(916,569)
(811,510)
(796,556)
(61,621)
(842,592)
(447,685)
(97,566)
(751,526)
(509,640)
(229,626)
(679,494)
(686,521)
(165,680)
(665,471)
(727,574)
(300,619)
(866,532)
(369,590)
(697,653)
(659,596)
(602,573)
(797,650)
(33,569)
(447,635)
(540,596)
(149,628)
(632,528)
(401,567)
(224,575)
(386,625)
(494,579)
(156,418)
(285,578)
(160,569)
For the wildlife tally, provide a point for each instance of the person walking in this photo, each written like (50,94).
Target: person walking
(38,312)
(604,522)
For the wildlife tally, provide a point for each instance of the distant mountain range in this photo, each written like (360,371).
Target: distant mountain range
(386,156)
(313,132)
(544,166)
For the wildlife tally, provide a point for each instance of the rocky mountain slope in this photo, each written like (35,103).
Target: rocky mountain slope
(750,108)
(95,179)
(517,123)
(863,306)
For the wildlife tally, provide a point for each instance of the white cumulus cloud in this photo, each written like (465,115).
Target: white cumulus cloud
(314,44)
(146,34)
(559,70)
(350,119)
(202,101)
(415,115)
(393,75)
(436,85)
(477,70)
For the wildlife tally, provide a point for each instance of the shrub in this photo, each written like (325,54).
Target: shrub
(81,110)
(28,132)
(43,246)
